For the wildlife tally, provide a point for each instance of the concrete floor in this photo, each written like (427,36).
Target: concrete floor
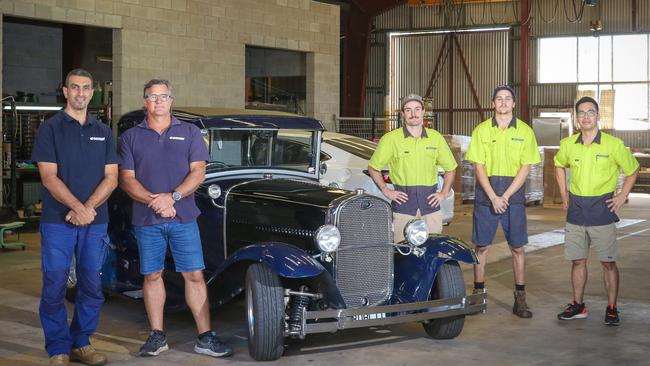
(494,338)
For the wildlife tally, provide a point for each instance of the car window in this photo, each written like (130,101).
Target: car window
(355,146)
(292,149)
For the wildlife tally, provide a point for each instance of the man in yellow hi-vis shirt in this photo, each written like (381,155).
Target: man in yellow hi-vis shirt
(596,160)
(413,154)
(502,149)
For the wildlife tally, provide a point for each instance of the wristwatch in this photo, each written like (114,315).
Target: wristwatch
(176,196)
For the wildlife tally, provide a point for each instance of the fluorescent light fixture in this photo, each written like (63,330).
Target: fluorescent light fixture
(35,108)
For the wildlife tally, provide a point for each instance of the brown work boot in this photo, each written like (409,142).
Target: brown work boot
(88,355)
(59,360)
(520,308)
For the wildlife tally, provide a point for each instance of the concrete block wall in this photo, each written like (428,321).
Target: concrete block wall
(200,45)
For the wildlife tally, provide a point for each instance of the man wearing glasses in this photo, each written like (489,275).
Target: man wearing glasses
(595,160)
(77,163)
(413,154)
(502,149)
(162,163)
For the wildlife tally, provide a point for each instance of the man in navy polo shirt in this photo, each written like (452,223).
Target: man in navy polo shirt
(78,167)
(162,163)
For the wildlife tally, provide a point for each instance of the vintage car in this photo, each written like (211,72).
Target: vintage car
(308,258)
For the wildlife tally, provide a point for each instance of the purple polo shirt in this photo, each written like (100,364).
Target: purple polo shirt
(161,162)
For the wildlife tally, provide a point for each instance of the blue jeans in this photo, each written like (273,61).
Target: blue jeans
(59,242)
(183,240)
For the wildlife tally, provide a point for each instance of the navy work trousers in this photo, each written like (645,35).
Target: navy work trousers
(59,242)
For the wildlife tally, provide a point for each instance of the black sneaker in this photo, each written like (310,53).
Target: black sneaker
(574,311)
(155,344)
(209,344)
(611,316)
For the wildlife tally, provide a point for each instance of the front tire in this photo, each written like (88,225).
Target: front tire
(264,313)
(449,284)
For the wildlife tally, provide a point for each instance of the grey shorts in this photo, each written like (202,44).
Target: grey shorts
(579,239)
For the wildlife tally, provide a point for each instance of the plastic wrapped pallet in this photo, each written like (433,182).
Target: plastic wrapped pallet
(535,181)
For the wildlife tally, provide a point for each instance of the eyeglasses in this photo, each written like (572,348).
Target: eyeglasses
(589,113)
(155,97)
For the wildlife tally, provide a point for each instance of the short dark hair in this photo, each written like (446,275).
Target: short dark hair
(153,82)
(78,72)
(503,87)
(584,100)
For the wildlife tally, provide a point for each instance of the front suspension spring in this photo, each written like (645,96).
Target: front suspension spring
(298,304)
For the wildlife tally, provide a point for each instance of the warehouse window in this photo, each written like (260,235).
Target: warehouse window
(612,69)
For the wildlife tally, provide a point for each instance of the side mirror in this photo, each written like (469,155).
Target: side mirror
(323,168)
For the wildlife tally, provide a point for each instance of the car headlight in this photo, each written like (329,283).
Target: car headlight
(416,232)
(214,191)
(328,238)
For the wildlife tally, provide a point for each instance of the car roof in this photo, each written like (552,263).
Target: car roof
(206,117)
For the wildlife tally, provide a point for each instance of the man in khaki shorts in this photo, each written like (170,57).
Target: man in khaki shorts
(413,154)
(595,160)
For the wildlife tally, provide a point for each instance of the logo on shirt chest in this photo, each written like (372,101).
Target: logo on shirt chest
(93,138)
(431,148)
(518,139)
(177,138)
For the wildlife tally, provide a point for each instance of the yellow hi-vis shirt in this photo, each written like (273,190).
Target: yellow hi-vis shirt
(594,167)
(413,165)
(594,171)
(503,151)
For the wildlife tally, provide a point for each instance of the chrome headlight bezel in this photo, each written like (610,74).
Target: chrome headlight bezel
(327,238)
(416,232)
(214,191)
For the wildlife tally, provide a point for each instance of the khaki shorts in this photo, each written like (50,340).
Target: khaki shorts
(432,220)
(578,239)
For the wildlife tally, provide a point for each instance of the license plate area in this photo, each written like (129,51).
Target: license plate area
(369,316)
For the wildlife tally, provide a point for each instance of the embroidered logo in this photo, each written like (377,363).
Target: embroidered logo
(97,138)
(431,148)
(517,139)
(177,138)
(601,156)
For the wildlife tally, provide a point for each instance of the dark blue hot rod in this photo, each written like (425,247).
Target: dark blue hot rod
(309,258)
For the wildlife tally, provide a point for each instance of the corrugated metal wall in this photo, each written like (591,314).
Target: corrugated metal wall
(486,54)
(548,18)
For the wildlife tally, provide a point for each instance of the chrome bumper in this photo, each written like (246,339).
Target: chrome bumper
(339,319)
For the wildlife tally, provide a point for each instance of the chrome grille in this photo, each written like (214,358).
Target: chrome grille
(363,267)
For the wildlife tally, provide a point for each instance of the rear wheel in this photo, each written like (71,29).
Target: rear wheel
(264,313)
(449,284)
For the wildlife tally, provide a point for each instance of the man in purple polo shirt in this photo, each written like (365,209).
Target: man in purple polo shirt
(78,167)
(162,163)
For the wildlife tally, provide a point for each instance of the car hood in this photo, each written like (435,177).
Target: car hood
(289,190)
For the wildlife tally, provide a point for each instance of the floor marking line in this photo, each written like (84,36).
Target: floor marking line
(632,234)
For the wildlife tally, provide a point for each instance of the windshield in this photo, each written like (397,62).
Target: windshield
(287,149)
(355,146)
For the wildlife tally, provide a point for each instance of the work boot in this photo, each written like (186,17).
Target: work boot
(88,355)
(59,360)
(520,308)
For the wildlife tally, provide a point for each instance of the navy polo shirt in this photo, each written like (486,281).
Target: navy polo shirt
(161,163)
(81,153)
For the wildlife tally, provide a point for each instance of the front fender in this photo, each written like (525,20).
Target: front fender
(414,275)
(285,260)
